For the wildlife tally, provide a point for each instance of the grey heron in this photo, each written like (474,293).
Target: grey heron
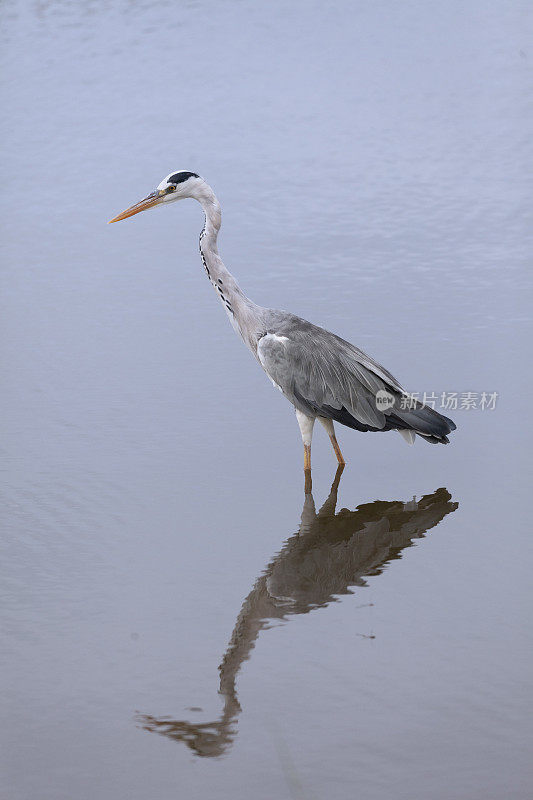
(322,375)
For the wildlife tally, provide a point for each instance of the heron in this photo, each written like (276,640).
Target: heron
(322,375)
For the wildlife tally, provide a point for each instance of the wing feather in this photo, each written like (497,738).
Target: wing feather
(324,375)
(317,371)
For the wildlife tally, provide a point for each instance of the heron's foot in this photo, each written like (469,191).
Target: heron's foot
(336,448)
(308,483)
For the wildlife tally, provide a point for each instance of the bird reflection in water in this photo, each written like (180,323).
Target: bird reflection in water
(330,553)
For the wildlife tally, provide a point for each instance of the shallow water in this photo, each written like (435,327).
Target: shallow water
(372,162)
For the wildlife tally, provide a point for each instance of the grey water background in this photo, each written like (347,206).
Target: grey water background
(373,163)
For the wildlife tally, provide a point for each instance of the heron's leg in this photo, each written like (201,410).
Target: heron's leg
(330,430)
(306,429)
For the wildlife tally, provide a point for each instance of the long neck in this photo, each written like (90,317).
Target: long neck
(245,316)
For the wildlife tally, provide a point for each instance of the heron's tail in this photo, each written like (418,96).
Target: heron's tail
(415,419)
(424,421)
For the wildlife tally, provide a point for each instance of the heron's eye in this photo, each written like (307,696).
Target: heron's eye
(170,189)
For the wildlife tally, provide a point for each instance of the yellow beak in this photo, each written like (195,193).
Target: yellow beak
(153,199)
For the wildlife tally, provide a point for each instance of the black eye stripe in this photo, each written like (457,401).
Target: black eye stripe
(180,177)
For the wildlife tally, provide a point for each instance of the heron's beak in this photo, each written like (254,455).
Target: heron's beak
(153,199)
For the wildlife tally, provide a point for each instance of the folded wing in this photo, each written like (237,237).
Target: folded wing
(323,375)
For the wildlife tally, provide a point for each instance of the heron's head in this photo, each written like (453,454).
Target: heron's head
(176,186)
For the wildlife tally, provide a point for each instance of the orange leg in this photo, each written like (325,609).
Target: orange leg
(306,429)
(336,448)
(330,430)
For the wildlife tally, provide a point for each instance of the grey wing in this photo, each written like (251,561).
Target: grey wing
(323,375)
(326,376)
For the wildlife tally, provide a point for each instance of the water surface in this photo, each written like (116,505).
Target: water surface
(372,162)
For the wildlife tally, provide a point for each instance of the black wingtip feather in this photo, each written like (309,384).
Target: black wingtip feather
(424,421)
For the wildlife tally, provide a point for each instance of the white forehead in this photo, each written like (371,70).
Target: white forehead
(165,182)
